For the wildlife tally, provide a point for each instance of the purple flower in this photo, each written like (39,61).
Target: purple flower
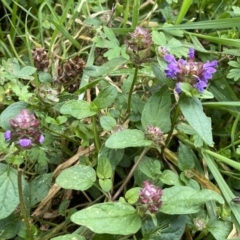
(195,73)
(172,68)
(41,139)
(8,135)
(150,195)
(25,142)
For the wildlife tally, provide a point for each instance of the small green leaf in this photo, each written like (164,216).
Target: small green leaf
(77,177)
(193,112)
(185,157)
(77,108)
(234,73)
(105,184)
(104,168)
(132,195)
(170,178)
(45,77)
(159,38)
(157,110)
(106,97)
(27,71)
(203,95)
(127,138)
(108,123)
(149,167)
(111,217)
(186,200)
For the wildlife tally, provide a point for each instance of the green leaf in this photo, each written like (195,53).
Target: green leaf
(69,237)
(157,110)
(112,218)
(149,167)
(106,97)
(186,200)
(159,38)
(11,112)
(193,112)
(39,188)
(104,168)
(110,35)
(170,178)
(234,73)
(219,229)
(77,177)
(234,64)
(105,184)
(185,157)
(9,227)
(132,195)
(45,77)
(105,69)
(203,95)
(22,92)
(127,138)
(77,108)
(9,199)
(108,123)
(27,71)
(167,228)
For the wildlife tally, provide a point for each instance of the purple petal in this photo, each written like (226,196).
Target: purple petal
(177,88)
(41,139)
(200,86)
(170,58)
(211,64)
(24,142)
(8,135)
(191,53)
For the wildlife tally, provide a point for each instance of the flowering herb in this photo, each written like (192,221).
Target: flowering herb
(196,74)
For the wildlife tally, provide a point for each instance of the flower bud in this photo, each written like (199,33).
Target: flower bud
(139,45)
(8,135)
(150,196)
(155,134)
(24,120)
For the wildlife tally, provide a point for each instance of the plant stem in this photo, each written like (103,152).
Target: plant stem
(96,139)
(130,174)
(131,89)
(22,205)
(173,125)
